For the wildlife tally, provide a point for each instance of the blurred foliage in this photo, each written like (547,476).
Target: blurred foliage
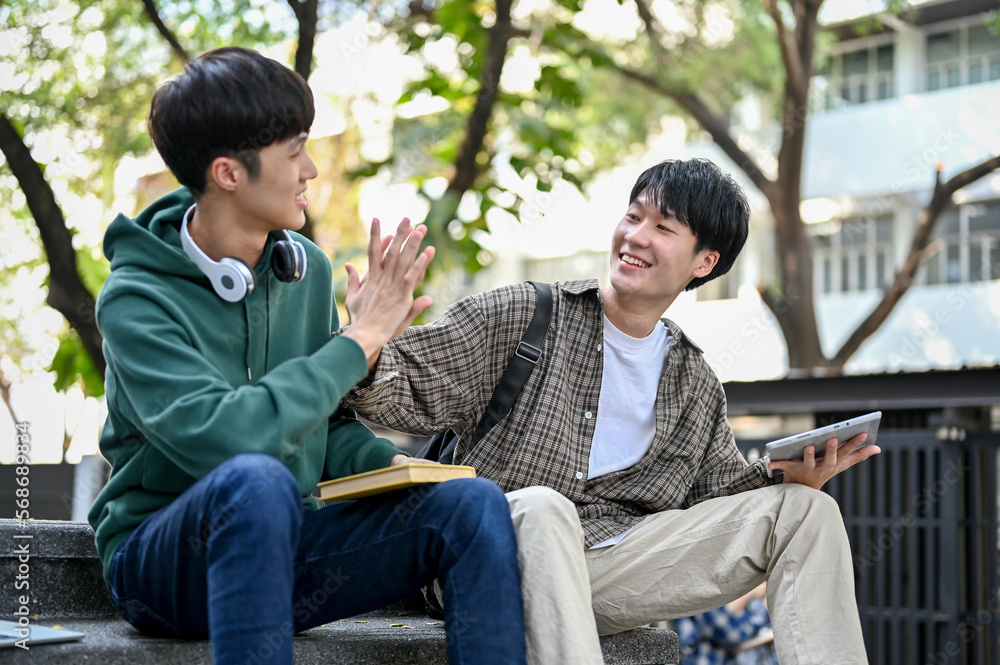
(581,116)
(76,77)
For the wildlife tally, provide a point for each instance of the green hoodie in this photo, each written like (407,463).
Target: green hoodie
(193,380)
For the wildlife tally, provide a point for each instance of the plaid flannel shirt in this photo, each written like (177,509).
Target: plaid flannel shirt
(443,374)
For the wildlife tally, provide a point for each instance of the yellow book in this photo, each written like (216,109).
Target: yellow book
(390,478)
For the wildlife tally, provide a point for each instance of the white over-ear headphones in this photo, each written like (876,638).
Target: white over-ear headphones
(231,278)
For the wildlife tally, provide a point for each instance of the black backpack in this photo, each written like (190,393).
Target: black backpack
(441,446)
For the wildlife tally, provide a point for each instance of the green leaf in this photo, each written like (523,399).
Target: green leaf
(92,271)
(72,366)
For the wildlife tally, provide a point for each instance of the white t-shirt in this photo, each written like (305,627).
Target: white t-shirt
(626,416)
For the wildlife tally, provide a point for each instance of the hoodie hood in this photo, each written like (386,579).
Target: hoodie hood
(152,240)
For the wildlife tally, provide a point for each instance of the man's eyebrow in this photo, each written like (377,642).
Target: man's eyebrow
(644,202)
(298,140)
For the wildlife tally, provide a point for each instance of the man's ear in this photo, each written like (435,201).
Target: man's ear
(226,173)
(709,260)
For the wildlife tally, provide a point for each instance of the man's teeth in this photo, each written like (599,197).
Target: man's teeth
(634,261)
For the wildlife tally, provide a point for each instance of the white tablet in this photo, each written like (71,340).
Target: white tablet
(12,634)
(791,447)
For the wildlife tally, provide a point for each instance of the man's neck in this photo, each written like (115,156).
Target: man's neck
(636,317)
(215,227)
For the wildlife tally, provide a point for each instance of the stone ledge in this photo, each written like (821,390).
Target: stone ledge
(370,639)
(64,551)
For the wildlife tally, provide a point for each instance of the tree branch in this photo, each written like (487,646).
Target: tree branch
(466,169)
(5,395)
(693,104)
(154,15)
(67,294)
(307,16)
(921,238)
(709,122)
(794,70)
(651,25)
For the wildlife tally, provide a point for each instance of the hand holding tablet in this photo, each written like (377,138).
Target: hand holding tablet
(792,447)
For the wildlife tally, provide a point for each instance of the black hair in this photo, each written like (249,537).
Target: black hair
(230,102)
(698,194)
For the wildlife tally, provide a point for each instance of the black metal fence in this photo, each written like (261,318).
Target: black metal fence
(922,520)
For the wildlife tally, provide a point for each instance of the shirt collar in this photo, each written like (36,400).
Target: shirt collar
(579,287)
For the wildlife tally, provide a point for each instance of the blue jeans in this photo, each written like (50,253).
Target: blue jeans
(236,559)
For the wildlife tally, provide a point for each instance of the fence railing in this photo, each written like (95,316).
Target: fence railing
(922,520)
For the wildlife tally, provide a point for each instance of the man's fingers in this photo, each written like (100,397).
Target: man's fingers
(407,253)
(385,246)
(856,442)
(353,280)
(419,268)
(419,305)
(374,242)
(390,257)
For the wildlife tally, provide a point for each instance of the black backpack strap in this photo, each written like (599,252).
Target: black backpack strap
(527,354)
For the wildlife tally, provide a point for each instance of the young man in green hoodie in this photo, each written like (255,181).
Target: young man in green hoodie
(223,388)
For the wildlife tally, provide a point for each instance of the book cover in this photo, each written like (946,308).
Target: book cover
(389,479)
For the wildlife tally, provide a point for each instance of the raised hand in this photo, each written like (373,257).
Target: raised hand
(380,304)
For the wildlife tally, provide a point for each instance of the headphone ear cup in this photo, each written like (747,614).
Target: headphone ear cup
(232,279)
(288,260)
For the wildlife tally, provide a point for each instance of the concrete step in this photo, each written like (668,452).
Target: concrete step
(381,639)
(66,588)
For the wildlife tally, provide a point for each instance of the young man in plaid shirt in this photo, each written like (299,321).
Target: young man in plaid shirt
(618,460)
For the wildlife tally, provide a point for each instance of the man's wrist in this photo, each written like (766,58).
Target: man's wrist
(369,345)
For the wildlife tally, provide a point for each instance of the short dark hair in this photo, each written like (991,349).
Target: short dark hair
(230,102)
(697,193)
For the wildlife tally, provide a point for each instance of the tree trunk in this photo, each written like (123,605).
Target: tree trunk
(466,170)
(307,15)
(793,306)
(67,294)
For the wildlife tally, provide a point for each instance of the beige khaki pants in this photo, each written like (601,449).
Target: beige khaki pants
(559,620)
(683,562)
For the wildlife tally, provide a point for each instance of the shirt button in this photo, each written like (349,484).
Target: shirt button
(600,346)
(588,415)
(579,475)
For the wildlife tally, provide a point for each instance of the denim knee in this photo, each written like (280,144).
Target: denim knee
(254,483)
(476,494)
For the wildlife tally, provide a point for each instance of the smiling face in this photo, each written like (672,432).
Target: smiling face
(275,197)
(654,256)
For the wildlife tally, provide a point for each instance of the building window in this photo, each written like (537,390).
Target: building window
(962,56)
(968,243)
(852,254)
(860,76)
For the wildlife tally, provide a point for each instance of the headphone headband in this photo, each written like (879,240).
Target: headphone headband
(231,278)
